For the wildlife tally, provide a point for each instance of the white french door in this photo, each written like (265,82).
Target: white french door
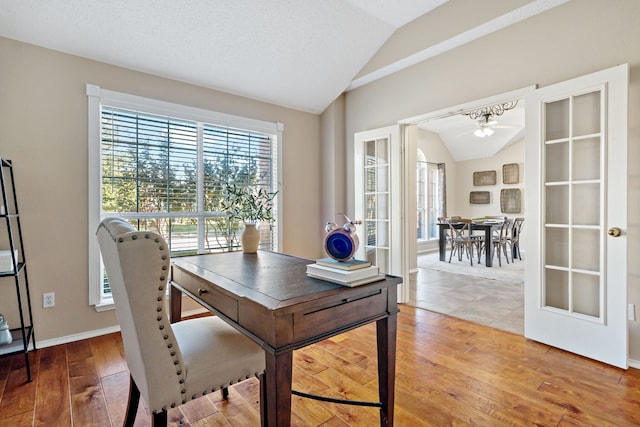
(378,184)
(576,194)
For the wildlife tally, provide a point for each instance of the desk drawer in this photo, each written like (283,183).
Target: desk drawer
(339,314)
(221,302)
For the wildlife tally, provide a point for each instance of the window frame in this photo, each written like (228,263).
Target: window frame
(96,97)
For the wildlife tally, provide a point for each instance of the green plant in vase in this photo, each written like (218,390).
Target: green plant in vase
(250,205)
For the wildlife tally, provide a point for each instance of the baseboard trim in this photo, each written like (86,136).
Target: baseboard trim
(77,337)
(98,332)
(634,363)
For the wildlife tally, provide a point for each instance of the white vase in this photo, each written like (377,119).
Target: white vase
(250,238)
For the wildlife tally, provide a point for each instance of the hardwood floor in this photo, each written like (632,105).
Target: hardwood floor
(449,372)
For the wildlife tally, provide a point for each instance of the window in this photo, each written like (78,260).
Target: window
(163,167)
(431,197)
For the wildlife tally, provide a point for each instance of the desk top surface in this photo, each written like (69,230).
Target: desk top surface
(271,279)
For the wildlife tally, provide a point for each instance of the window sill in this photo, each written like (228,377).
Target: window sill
(105,305)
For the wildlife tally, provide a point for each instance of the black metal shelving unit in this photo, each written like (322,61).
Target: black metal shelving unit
(11,238)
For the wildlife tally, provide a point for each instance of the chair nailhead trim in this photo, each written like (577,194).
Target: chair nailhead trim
(134,237)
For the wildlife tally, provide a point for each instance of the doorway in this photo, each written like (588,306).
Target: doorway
(492,296)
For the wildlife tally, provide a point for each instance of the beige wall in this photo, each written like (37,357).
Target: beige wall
(465,169)
(43,130)
(571,40)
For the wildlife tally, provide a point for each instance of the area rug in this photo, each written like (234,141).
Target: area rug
(512,272)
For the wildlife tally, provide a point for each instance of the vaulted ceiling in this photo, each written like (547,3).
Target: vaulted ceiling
(300,54)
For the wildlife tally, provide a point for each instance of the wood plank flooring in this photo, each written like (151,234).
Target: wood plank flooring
(449,372)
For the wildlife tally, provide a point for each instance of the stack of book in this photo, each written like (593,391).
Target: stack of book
(347,273)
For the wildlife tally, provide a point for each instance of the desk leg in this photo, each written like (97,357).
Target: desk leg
(488,245)
(386,336)
(442,243)
(175,304)
(275,404)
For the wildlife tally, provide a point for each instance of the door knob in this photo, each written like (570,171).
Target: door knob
(614,232)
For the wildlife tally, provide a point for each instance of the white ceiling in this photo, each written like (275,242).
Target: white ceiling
(456,132)
(300,54)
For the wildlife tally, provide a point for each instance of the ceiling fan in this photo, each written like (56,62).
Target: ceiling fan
(485,118)
(485,126)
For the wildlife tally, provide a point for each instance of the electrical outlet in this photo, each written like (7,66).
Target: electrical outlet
(631,312)
(48,299)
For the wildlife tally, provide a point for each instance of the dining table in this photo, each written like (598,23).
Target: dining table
(487,226)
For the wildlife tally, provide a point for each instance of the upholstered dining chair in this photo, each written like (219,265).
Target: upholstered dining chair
(170,364)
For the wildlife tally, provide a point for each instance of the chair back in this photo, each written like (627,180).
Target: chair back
(460,228)
(137,265)
(506,229)
(518,224)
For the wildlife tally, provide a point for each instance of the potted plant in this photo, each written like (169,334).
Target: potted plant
(250,205)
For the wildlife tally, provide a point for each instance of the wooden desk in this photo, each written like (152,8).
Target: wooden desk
(474,226)
(268,297)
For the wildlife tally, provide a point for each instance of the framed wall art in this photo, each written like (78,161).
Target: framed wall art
(510,173)
(484,178)
(480,197)
(510,200)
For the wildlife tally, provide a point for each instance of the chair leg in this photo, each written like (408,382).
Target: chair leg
(159,419)
(225,393)
(132,405)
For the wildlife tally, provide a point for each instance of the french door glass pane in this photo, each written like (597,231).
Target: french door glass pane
(376,198)
(572,211)
(586,159)
(557,120)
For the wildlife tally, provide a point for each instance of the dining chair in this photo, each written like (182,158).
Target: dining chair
(514,238)
(169,364)
(501,240)
(462,240)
